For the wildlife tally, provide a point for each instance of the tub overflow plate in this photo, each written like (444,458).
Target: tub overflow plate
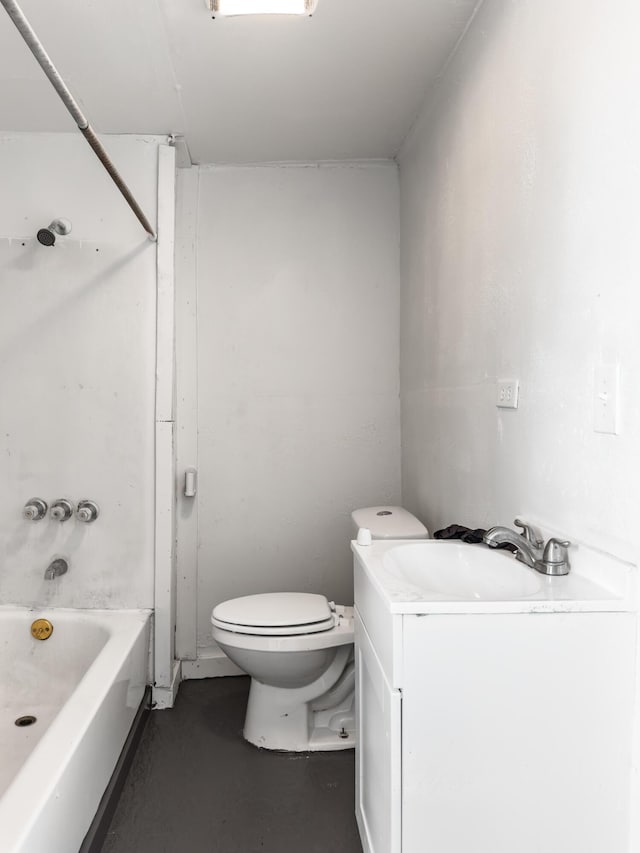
(41,629)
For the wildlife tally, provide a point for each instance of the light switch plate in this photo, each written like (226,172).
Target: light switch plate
(507,391)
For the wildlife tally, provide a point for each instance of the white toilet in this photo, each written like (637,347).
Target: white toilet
(298,649)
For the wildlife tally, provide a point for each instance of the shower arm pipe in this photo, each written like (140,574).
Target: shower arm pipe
(33,43)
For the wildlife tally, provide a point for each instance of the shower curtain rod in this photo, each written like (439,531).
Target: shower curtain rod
(33,43)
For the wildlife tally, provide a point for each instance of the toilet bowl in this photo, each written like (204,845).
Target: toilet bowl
(298,650)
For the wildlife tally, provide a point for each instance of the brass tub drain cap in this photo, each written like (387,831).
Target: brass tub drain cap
(41,629)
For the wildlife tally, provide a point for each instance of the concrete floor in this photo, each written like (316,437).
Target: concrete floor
(195,786)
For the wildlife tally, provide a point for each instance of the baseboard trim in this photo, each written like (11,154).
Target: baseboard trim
(165,697)
(95,837)
(211,663)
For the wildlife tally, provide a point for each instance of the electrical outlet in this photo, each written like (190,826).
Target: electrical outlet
(507,393)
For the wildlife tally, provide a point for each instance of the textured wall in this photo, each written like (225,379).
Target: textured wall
(77,370)
(298,288)
(520,258)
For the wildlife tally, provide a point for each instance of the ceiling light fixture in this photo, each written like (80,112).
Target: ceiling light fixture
(262,7)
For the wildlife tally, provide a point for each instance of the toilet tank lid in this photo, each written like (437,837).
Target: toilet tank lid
(390,522)
(274,609)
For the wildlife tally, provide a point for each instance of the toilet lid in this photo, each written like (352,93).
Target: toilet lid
(278,613)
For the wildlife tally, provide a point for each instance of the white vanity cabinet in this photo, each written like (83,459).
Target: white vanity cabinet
(379,750)
(492,732)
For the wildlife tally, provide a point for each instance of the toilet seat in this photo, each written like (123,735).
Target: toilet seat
(279,614)
(341,634)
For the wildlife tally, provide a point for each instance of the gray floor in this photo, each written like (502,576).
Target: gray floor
(196,786)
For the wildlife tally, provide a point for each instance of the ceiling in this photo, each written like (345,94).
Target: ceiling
(346,83)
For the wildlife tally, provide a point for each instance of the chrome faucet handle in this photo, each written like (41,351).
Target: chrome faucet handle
(530,533)
(34,509)
(87,511)
(555,551)
(61,510)
(555,560)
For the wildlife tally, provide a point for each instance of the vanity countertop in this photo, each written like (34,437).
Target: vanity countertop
(443,576)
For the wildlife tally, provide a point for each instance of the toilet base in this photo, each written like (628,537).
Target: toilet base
(276,720)
(334,729)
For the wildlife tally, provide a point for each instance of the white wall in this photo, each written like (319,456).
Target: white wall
(520,254)
(298,289)
(77,370)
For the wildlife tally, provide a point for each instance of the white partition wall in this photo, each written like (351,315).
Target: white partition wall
(297,278)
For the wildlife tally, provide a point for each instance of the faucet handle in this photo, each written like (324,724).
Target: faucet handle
(87,511)
(34,509)
(555,551)
(61,510)
(530,533)
(555,560)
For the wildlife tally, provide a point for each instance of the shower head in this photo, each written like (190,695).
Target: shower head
(47,236)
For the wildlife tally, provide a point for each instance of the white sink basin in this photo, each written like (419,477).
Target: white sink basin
(455,570)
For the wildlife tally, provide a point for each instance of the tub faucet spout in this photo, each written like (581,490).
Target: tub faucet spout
(56,568)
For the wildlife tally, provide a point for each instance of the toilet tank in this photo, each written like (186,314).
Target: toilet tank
(388,522)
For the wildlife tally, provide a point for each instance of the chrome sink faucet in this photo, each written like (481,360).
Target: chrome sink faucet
(549,559)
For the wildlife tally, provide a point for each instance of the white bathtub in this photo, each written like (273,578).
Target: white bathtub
(84,685)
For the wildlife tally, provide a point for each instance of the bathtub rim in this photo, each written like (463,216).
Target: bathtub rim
(24,800)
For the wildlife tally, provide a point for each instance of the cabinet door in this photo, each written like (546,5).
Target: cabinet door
(517,732)
(378,751)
